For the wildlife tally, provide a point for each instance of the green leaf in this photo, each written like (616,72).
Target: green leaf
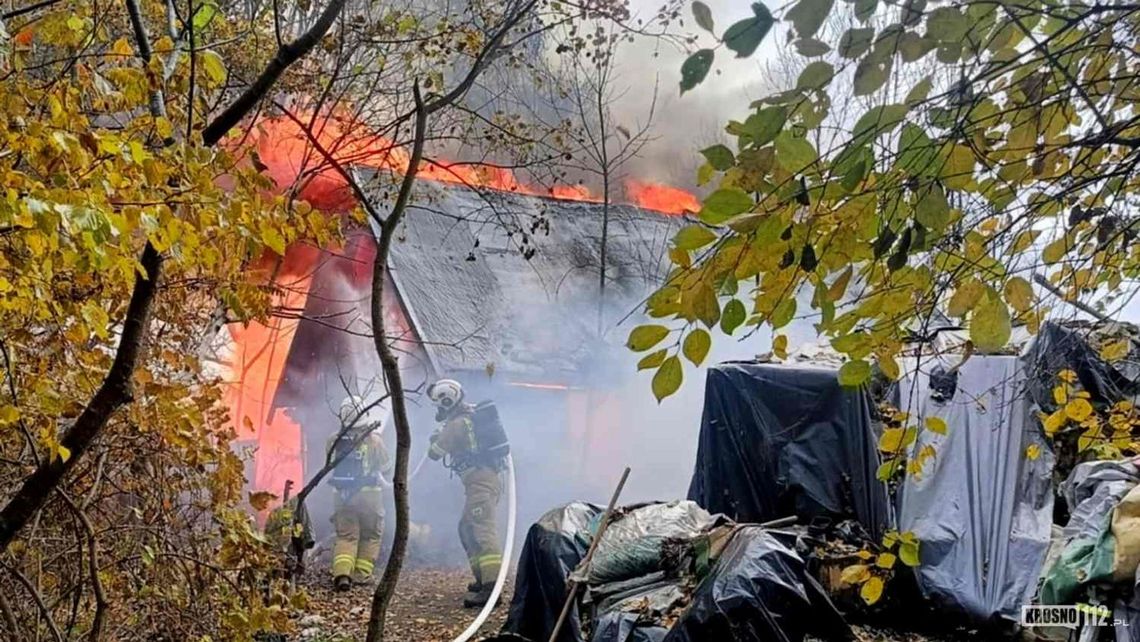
(870,75)
(947,24)
(990,324)
(958,169)
(914,47)
(696,346)
(723,204)
(703,16)
(864,9)
(919,92)
(808,16)
(917,154)
(644,337)
(732,317)
(652,360)
(719,156)
(763,126)
(794,153)
(817,75)
(693,237)
(932,209)
(695,68)
(966,296)
(1019,294)
(204,15)
(886,469)
(783,313)
(876,122)
(811,48)
(667,379)
(854,373)
(745,36)
(706,307)
(855,42)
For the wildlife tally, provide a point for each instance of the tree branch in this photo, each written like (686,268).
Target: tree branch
(286,56)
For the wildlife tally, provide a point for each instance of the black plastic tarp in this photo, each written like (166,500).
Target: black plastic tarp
(554,545)
(780,440)
(759,589)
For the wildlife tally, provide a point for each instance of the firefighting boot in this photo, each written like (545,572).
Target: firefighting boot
(479,598)
(342,583)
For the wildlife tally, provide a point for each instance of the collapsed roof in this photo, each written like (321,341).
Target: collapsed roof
(510,281)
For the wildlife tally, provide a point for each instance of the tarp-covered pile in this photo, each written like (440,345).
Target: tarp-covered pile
(666,573)
(778,441)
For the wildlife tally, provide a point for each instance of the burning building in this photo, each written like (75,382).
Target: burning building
(498,288)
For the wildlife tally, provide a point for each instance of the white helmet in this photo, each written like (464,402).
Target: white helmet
(349,409)
(445,393)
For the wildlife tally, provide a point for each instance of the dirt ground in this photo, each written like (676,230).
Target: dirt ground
(427,607)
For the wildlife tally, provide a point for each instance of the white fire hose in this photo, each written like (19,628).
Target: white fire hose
(503,568)
(508,546)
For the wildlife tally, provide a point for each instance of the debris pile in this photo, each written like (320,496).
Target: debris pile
(666,572)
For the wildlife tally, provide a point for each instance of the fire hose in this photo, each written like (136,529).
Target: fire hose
(508,547)
(507,550)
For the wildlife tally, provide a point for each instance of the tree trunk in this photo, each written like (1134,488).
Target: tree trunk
(391,368)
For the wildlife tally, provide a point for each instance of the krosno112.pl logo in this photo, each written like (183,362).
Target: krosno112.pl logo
(1072,616)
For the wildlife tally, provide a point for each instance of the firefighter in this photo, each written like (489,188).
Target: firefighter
(358,507)
(290,536)
(454,442)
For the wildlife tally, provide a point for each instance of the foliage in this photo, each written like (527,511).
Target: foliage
(996,148)
(1091,429)
(102,153)
(878,563)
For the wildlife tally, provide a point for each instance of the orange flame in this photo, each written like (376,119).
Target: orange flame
(663,198)
(289,157)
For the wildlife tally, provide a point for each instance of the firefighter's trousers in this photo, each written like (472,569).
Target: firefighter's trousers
(477,529)
(358,517)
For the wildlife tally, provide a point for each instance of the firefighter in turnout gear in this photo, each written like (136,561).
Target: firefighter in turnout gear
(457,443)
(358,507)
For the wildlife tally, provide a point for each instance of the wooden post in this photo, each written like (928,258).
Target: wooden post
(585,564)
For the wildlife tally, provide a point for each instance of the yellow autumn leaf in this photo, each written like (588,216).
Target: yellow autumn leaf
(64,453)
(1060,395)
(886,560)
(936,425)
(855,574)
(1068,376)
(872,590)
(780,346)
(1032,452)
(1116,350)
(1078,409)
(1051,423)
(891,440)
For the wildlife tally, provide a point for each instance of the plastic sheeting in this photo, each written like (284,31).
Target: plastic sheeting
(1092,492)
(759,589)
(554,546)
(631,545)
(778,441)
(982,510)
